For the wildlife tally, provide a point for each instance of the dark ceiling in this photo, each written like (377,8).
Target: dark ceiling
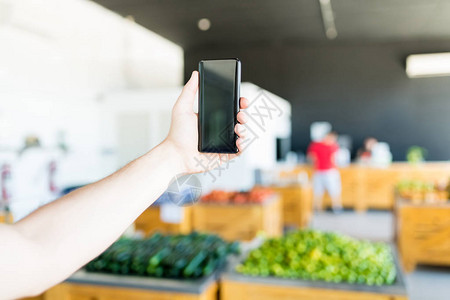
(287,21)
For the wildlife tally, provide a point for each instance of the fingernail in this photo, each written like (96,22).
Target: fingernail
(192,75)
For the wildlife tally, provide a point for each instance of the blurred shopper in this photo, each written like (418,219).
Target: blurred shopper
(364,155)
(54,241)
(326,176)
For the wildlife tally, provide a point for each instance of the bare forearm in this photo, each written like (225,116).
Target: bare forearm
(74,229)
(50,244)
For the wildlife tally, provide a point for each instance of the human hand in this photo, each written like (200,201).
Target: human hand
(183,134)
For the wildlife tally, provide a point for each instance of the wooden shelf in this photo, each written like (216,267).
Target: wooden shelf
(88,286)
(422,233)
(366,187)
(237,286)
(150,222)
(240,221)
(297,202)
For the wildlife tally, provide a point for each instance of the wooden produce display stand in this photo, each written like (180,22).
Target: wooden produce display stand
(365,187)
(150,222)
(40,297)
(6,217)
(238,286)
(352,190)
(423,233)
(379,184)
(297,204)
(88,286)
(239,221)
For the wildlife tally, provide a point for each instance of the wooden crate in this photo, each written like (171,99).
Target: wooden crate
(379,185)
(351,187)
(239,222)
(6,217)
(352,190)
(114,287)
(70,291)
(365,187)
(423,234)
(237,286)
(150,221)
(40,297)
(231,290)
(297,204)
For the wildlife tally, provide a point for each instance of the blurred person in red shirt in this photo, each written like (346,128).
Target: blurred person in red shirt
(326,176)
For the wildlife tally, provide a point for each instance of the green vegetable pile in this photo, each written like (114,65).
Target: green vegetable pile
(315,255)
(169,256)
(416,154)
(415,186)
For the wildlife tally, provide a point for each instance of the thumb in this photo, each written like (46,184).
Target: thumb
(187,97)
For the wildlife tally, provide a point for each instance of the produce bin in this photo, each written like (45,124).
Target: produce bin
(239,221)
(237,286)
(297,203)
(6,217)
(422,233)
(83,285)
(365,187)
(159,267)
(40,297)
(150,221)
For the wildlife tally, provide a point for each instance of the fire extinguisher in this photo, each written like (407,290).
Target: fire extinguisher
(5,179)
(51,177)
(5,183)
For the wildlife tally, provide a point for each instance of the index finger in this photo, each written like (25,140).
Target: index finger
(243,103)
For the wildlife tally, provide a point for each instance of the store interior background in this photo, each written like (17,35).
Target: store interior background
(360,88)
(356,81)
(96,86)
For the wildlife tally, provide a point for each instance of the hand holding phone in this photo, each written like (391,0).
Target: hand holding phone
(182,140)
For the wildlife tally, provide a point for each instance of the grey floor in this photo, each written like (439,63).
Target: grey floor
(425,283)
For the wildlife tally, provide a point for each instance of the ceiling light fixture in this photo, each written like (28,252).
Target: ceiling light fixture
(328,19)
(428,65)
(204,24)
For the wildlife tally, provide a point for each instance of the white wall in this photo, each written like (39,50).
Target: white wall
(58,58)
(63,44)
(156,103)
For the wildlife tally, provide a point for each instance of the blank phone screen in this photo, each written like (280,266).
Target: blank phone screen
(218,106)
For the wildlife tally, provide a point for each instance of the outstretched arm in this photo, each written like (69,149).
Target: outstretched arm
(56,240)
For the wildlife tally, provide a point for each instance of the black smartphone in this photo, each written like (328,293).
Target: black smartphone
(218,105)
